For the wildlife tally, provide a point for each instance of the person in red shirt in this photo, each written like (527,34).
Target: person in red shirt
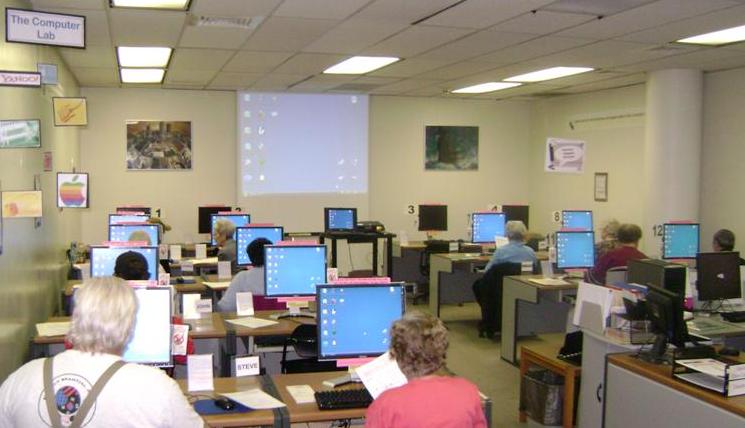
(419,345)
(628,242)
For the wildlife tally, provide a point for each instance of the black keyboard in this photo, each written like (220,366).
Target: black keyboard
(738,316)
(343,399)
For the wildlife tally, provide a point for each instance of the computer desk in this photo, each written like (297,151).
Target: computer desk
(354,237)
(443,291)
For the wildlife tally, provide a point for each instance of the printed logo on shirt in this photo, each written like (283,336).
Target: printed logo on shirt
(69,392)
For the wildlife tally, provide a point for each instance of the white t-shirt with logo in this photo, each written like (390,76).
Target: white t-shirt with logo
(136,396)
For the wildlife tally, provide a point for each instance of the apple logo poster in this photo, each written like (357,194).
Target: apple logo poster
(72,190)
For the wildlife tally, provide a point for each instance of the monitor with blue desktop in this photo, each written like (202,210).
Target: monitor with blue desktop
(151,339)
(237,219)
(575,250)
(573,219)
(245,235)
(354,320)
(103,260)
(123,232)
(680,240)
(127,218)
(486,226)
(293,270)
(340,219)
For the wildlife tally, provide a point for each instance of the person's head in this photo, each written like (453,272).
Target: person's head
(419,344)
(224,231)
(629,234)
(255,251)
(131,266)
(724,240)
(515,230)
(104,316)
(609,232)
(140,236)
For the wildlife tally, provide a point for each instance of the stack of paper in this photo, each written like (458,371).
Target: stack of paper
(53,328)
(252,322)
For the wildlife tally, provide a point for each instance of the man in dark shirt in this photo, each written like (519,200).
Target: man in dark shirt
(724,240)
(628,241)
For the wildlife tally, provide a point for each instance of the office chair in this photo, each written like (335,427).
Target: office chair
(488,292)
(431,247)
(304,341)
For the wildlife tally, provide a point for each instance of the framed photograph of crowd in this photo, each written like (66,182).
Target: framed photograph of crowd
(158,145)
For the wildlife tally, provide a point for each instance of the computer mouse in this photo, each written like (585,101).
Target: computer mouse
(225,403)
(730,352)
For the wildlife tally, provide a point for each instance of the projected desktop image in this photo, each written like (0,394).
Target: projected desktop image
(103,260)
(151,340)
(294,270)
(124,233)
(126,218)
(237,219)
(340,219)
(575,250)
(580,220)
(486,226)
(680,240)
(245,235)
(433,218)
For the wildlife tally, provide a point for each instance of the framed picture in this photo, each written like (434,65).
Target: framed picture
(156,145)
(601,186)
(23,203)
(16,134)
(72,190)
(451,148)
(70,111)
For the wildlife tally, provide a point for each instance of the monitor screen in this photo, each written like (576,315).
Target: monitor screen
(355,320)
(144,210)
(245,235)
(517,213)
(103,260)
(581,220)
(205,216)
(680,241)
(340,218)
(123,233)
(294,270)
(485,226)
(718,276)
(575,250)
(433,217)
(151,339)
(237,219)
(124,218)
(665,311)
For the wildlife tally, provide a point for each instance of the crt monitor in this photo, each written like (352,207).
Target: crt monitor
(354,320)
(103,260)
(517,213)
(236,218)
(486,226)
(151,340)
(293,270)
(572,219)
(123,233)
(143,210)
(205,216)
(127,218)
(245,235)
(575,250)
(718,276)
(658,273)
(433,217)
(336,219)
(680,240)
(665,311)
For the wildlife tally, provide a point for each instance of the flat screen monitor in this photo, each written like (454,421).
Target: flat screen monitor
(237,219)
(205,216)
(294,270)
(517,213)
(665,311)
(245,235)
(575,250)
(571,219)
(151,340)
(718,276)
(354,321)
(433,217)
(126,218)
(103,260)
(144,210)
(340,219)
(123,233)
(680,240)
(486,226)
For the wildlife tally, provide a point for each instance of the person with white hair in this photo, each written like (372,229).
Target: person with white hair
(89,385)
(515,251)
(224,231)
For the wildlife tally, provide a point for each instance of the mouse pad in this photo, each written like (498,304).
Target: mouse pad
(207,407)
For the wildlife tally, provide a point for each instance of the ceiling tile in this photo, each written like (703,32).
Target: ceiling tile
(90,57)
(234,80)
(415,40)
(189,77)
(146,27)
(704,59)
(96,76)
(277,82)
(199,59)
(609,53)
(457,70)
(287,34)
(617,82)
(167,85)
(409,67)
(664,33)
(214,37)
(308,64)
(542,22)
(407,10)
(596,7)
(353,35)
(325,9)
(477,44)
(322,83)
(68,4)
(404,86)
(233,7)
(483,13)
(247,61)
(532,49)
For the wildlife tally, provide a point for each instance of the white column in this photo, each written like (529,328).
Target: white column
(672,151)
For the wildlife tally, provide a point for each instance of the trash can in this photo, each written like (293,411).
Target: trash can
(542,396)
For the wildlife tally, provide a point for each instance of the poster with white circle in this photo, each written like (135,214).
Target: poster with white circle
(72,190)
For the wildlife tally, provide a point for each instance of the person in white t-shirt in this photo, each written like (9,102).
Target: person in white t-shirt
(134,396)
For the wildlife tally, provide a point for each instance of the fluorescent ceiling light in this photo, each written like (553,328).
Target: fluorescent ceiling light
(548,74)
(485,87)
(721,37)
(143,56)
(152,4)
(142,75)
(360,64)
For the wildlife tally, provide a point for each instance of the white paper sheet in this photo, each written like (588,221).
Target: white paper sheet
(247,366)
(199,372)
(255,399)
(53,328)
(224,270)
(221,285)
(589,293)
(302,394)
(200,251)
(189,306)
(252,322)
(380,375)
(175,252)
(548,281)
(204,261)
(244,304)
(179,339)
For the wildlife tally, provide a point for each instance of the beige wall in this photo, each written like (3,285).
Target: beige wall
(33,264)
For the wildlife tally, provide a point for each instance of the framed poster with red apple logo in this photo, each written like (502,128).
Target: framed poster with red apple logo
(72,190)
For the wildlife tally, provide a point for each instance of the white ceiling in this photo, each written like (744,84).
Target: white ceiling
(444,44)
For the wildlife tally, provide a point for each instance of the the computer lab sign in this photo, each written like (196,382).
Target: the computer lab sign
(43,28)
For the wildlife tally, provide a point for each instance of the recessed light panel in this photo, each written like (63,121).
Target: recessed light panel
(142,75)
(721,37)
(548,74)
(360,64)
(485,87)
(143,56)
(152,4)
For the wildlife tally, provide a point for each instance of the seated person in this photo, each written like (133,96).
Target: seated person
(419,344)
(224,231)
(609,238)
(248,280)
(628,242)
(142,236)
(134,395)
(515,251)
(131,266)
(724,240)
